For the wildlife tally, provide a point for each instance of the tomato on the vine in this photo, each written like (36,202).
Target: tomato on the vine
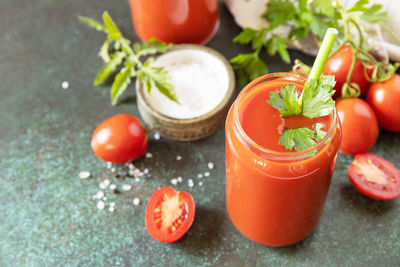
(339,65)
(120,139)
(169,214)
(384,98)
(359,125)
(375,177)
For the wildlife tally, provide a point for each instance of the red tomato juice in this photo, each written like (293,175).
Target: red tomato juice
(175,21)
(275,196)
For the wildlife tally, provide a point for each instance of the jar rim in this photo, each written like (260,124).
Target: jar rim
(286,155)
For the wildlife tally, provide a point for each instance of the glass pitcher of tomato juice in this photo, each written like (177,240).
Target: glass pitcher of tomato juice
(274,196)
(175,21)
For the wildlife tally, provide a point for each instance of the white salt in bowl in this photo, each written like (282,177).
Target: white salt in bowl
(204,83)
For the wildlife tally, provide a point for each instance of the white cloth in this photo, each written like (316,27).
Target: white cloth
(247,13)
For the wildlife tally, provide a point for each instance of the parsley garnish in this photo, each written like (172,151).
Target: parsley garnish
(302,138)
(315,101)
(118,54)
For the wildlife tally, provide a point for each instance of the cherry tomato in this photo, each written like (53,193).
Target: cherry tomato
(169,214)
(339,65)
(359,125)
(120,139)
(375,177)
(384,98)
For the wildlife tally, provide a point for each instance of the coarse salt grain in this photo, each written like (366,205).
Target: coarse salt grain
(136,201)
(112,204)
(111,209)
(131,173)
(210,165)
(190,183)
(200,80)
(104,198)
(84,174)
(104,184)
(109,165)
(157,136)
(126,187)
(98,195)
(100,205)
(112,186)
(206,174)
(148,155)
(178,157)
(131,166)
(200,183)
(146,171)
(64,85)
(112,169)
(199,175)
(137,179)
(179,179)
(174,181)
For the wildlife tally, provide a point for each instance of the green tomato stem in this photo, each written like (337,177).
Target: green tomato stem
(389,31)
(323,53)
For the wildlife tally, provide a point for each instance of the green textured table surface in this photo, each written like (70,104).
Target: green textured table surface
(47,214)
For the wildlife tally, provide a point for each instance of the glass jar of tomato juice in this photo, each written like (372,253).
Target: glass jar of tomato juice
(274,196)
(175,21)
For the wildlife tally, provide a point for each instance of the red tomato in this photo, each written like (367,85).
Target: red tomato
(384,98)
(359,125)
(375,177)
(120,139)
(169,214)
(339,65)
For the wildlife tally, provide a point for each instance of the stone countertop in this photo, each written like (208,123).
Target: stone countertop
(47,214)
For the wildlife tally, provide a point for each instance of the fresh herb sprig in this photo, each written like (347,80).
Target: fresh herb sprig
(314,101)
(118,55)
(314,17)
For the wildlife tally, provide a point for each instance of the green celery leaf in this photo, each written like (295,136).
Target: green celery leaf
(245,36)
(299,138)
(302,138)
(260,39)
(372,15)
(112,29)
(278,12)
(249,66)
(303,4)
(92,23)
(359,6)
(298,33)
(276,101)
(153,46)
(282,50)
(319,27)
(287,102)
(109,67)
(159,78)
(324,7)
(319,134)
(277,44)
(317,97)
(121,82)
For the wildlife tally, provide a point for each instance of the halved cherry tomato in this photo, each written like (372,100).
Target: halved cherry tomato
(375,177)
(120,139)
(339,65)
(360,127)
(169,214)
(384,98)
